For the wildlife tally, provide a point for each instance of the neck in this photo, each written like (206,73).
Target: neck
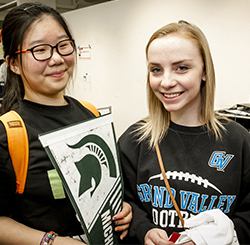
(44,100)
(189,122)
(190,118)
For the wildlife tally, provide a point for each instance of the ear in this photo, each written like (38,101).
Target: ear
(14,65)
(204,76)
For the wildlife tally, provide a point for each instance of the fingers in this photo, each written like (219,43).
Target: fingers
(189,243)
(124,233)
(124,217)
(126,212)
(122,220)
(121,227)
(157,237)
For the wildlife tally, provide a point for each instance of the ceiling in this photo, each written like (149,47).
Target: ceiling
(61,5)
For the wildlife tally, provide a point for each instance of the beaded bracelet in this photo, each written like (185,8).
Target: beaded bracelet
(48,238)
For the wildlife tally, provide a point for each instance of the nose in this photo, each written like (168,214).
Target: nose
(168,80)
(56,57)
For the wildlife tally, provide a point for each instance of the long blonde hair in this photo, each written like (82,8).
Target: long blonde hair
(154,127)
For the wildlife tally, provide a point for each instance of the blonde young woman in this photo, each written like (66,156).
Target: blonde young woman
(206,158)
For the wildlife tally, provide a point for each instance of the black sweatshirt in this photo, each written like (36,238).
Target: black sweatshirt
(203,174)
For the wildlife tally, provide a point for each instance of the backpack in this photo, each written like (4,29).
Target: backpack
(18,143)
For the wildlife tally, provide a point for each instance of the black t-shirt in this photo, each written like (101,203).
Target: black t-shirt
(37,207)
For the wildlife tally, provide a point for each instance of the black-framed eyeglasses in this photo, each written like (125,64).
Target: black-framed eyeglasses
(43,52)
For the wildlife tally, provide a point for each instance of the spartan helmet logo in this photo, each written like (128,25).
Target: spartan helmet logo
(90,166)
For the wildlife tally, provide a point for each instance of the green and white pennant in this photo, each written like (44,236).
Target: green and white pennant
(85,157)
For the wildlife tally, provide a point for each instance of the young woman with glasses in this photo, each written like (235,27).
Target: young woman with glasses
(40,53)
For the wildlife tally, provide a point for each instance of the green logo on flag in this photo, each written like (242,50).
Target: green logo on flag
(91,166)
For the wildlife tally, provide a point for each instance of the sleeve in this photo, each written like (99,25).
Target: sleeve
(129,153)
(7,177)
(241,216)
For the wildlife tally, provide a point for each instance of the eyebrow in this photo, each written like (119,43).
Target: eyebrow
(181,61)
(174,63)
(41,41)
(153,63)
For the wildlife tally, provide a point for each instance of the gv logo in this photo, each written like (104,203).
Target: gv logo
(219,160)
(98,159)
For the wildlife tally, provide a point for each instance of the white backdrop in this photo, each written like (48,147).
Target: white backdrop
(118,32)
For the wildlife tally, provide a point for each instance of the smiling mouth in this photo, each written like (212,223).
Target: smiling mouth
(57,74)
(173,95)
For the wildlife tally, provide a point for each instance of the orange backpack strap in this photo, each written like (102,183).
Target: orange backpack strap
(18,146)
(90,107)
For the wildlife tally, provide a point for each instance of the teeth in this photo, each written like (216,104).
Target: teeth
(171,95)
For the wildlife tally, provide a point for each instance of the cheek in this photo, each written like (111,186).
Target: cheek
(193,82)
(70,62)
(31,67)
(154,83)
(70,59)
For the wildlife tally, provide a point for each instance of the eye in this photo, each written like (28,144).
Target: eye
(182,68)
(64,45)
(40,49)
(155,70)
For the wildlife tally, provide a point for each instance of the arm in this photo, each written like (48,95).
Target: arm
(241,216)
(129,153)
(132,156)
(241,220)
(12,232)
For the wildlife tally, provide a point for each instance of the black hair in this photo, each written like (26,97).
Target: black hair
(2,61)
(15,26)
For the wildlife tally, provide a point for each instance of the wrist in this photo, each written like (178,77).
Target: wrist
(48,238)
(67,241)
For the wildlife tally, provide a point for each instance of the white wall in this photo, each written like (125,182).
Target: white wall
(118,32)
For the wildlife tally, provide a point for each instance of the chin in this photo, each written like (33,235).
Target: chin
(171,108)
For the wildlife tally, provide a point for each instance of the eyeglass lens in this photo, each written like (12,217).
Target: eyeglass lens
(44,51)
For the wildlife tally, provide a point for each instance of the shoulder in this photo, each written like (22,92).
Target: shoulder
(236,135)
(83,105)
(72,100)
(130,141)
(3,133)
(3,136)
(131,133)
(235,129)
